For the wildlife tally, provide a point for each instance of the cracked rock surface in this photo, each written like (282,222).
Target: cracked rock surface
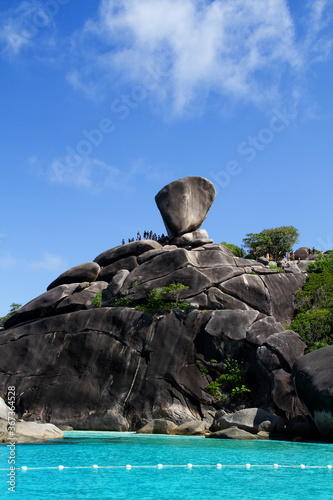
(117,368)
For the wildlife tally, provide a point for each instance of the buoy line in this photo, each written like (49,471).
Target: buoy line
(183,466)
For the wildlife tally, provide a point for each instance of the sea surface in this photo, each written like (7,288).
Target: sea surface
(246,469)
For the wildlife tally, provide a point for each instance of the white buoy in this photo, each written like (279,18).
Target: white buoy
(248,466)
(189,466)
(24,467)
(276,466)
(159,466)
(95,466)
(128,467)
(329,466)
(302,466)
(219,466)
(60,467)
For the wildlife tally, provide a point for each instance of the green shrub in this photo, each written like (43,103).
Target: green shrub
(13,307)
(314,326)
(229,384)
(160,300)
(314,320)
(122,302)
(236,250)
(97,300)
(277,268)
(321,264)
(135,282)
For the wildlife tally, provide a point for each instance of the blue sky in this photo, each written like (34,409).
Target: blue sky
(105,102)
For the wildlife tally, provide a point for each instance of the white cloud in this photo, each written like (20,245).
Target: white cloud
(240,49)
(47,262)
(95,176)
(7,261)
(319,41)
(87,173)
(92,89)
(21,23)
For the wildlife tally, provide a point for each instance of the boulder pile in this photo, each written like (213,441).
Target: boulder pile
(118,368)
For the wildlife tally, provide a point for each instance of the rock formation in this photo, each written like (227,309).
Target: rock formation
(118,368)
(313,379)
(19,431)
(184,204)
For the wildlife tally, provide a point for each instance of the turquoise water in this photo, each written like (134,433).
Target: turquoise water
(84,449)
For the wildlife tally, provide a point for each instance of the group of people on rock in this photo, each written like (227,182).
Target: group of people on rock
(147,235)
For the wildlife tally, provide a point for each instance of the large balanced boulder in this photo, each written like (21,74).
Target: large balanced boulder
(312,376)
(184,204)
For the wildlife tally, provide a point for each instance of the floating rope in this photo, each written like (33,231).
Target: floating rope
(187,466)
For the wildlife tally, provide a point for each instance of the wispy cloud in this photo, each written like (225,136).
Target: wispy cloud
(244,50)
(89,174)
(47,262)
(17,28)
(24,25)
(319,40)
(94,176)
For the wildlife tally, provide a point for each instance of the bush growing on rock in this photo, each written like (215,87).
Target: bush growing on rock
(97,300)
(158,300)
(236,250)
(13,307)
(230,384)
(314,321)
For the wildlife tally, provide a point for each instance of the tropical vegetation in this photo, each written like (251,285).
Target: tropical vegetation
(274,242)
(314,318)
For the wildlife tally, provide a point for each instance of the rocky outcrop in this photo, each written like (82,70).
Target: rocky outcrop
(251,420)
(19,431)
(28,432)
(118,368)
(78,274)
(158,426)
(312,376)
(163,426)
(236,433)
(184,204)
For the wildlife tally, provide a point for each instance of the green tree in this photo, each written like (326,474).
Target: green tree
(275,242)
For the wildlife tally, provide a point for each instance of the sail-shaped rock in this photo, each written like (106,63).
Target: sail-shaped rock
(184,204)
